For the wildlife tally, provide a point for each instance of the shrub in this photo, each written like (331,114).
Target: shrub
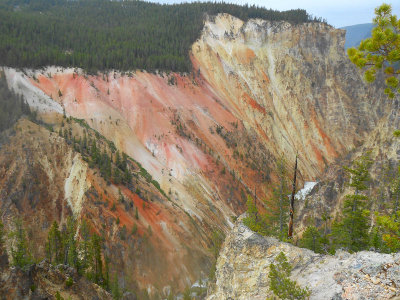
(280,283)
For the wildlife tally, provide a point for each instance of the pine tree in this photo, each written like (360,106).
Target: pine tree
(280,283)
(70,256)
(96,244)
(278,207)
(134,229)
(376,240)
(254,220)
(311,239)
(325,243)
(85,246)
(381,50)
(54,244)
(115,290)
(390,227)
(136,214)
(72,246)
(117,160)
(351,232)
(20,254)
(292,198)
(117,176)
(107,282)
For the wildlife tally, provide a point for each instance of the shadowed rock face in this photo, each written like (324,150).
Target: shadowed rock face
(259,90)
(330,192)
(243,267)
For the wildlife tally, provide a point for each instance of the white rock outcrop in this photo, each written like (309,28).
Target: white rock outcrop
(243,266)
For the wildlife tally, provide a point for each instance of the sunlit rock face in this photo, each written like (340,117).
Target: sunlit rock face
(258,91)
(244,262)
(292,84)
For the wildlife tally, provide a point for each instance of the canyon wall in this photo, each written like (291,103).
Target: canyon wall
(259,90)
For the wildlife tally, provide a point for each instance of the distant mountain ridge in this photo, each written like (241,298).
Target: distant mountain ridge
(356,33)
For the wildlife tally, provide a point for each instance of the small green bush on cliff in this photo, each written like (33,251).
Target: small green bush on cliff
(280,283)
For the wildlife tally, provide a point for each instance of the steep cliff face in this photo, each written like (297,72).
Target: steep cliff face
(328,195)
(43,178)
(259,90)
(292,84)
(243,267)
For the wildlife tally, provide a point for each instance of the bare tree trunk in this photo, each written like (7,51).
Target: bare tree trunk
(291,213)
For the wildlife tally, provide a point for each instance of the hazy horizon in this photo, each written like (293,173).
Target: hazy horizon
(339,13)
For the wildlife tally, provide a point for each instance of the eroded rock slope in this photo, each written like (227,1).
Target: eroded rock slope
(258,90)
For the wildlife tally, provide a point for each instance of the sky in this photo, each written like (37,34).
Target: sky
(338,13)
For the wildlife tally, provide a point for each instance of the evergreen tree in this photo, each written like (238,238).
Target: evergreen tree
(115,290)
(351,232)
(72,246)
(134,229)
(311,239)
(69,244)
(12,106)
(54,244)
(280,283)
(278,207)
(376,240)
(390,226)
(107,283)
(118,160)
(85,246)
(117,176)
(96,244)
(136,214)
(381,50)
(254,220)
(21,256)
(325,242)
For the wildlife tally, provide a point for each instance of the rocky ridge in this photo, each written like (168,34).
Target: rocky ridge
(243,266)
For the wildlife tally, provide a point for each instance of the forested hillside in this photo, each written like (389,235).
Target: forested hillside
(102,35)
(12,106)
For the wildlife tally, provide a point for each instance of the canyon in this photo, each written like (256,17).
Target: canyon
(259,91)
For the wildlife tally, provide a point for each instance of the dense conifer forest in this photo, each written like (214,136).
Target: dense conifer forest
(101,35)
(12,106)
